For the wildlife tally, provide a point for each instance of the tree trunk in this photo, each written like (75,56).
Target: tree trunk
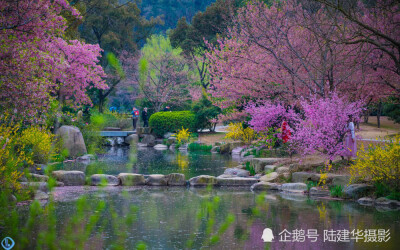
(366,115)
(378,114)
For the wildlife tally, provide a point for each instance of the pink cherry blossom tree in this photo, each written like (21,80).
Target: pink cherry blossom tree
(36,64)
(325,125)
(286,51)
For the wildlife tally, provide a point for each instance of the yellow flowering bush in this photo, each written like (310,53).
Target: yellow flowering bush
(379,163)
(37,142)
(237,132)
(11,159)
(183,136)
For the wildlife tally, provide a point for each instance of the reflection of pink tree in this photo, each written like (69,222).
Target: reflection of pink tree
(37,64)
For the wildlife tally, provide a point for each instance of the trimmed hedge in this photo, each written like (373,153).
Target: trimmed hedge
(163,122)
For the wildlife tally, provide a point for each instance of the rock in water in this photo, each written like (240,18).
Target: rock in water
(150,140)
(98,179)
(294,187)
(70,178)
(157,180)
(128,179)
(237,172)
(72,140)
(160,147)
(264,186)
(132,139)
(203,180)
(269,177)
(176,179)
(357,191)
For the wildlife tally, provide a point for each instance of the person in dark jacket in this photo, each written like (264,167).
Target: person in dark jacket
(145,118)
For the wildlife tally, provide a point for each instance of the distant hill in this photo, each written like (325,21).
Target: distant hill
(172,10)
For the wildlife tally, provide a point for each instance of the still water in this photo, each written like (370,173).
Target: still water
(117,160)
(168,217)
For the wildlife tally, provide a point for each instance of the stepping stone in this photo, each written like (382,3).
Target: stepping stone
(236,181)
(203,180)
(128,179)
(97,179)
(157,180)
(70,178)
(264,186)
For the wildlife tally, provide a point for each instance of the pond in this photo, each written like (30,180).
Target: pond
(117,160)
(167,218)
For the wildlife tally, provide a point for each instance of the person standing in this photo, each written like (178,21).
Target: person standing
(135,116)
(145,118)
(350,143)
(285,130)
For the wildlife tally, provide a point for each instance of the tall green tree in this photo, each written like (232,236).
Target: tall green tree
(163,73)
(117,28)
(204,26)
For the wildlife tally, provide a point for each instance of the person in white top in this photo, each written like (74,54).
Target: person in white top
(350,143)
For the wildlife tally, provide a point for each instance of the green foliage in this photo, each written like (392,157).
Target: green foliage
(336,191)
(199,147)
(311,184)
(115,63)
(163,122)
(394,196)
(205,112)
(381,190)
(250,168)
(392,109)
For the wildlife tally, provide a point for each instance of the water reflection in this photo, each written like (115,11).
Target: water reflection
(150,161)
(167,217)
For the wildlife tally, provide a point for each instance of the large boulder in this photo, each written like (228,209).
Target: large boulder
(282,170)
(142,131)
(72,140)
(264,186)
(228,147)
(132,139)
(236,181)
(356,191)
(294,187)
(99,179)
(157,180)
(128,179)
(382,201)
(237,172)
(70,178)
(203,180)
(260,163)
(341,180)
(176,179)
(269,177)
(150,140)
(301,177)
(314,191)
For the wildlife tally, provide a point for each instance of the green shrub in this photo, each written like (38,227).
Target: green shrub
(336,191)
(311,184)
(163,122)
(199,147)
(250,168)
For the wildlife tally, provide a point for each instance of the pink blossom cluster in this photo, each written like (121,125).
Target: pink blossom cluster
(325,125)
(37,65)
(267,114)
